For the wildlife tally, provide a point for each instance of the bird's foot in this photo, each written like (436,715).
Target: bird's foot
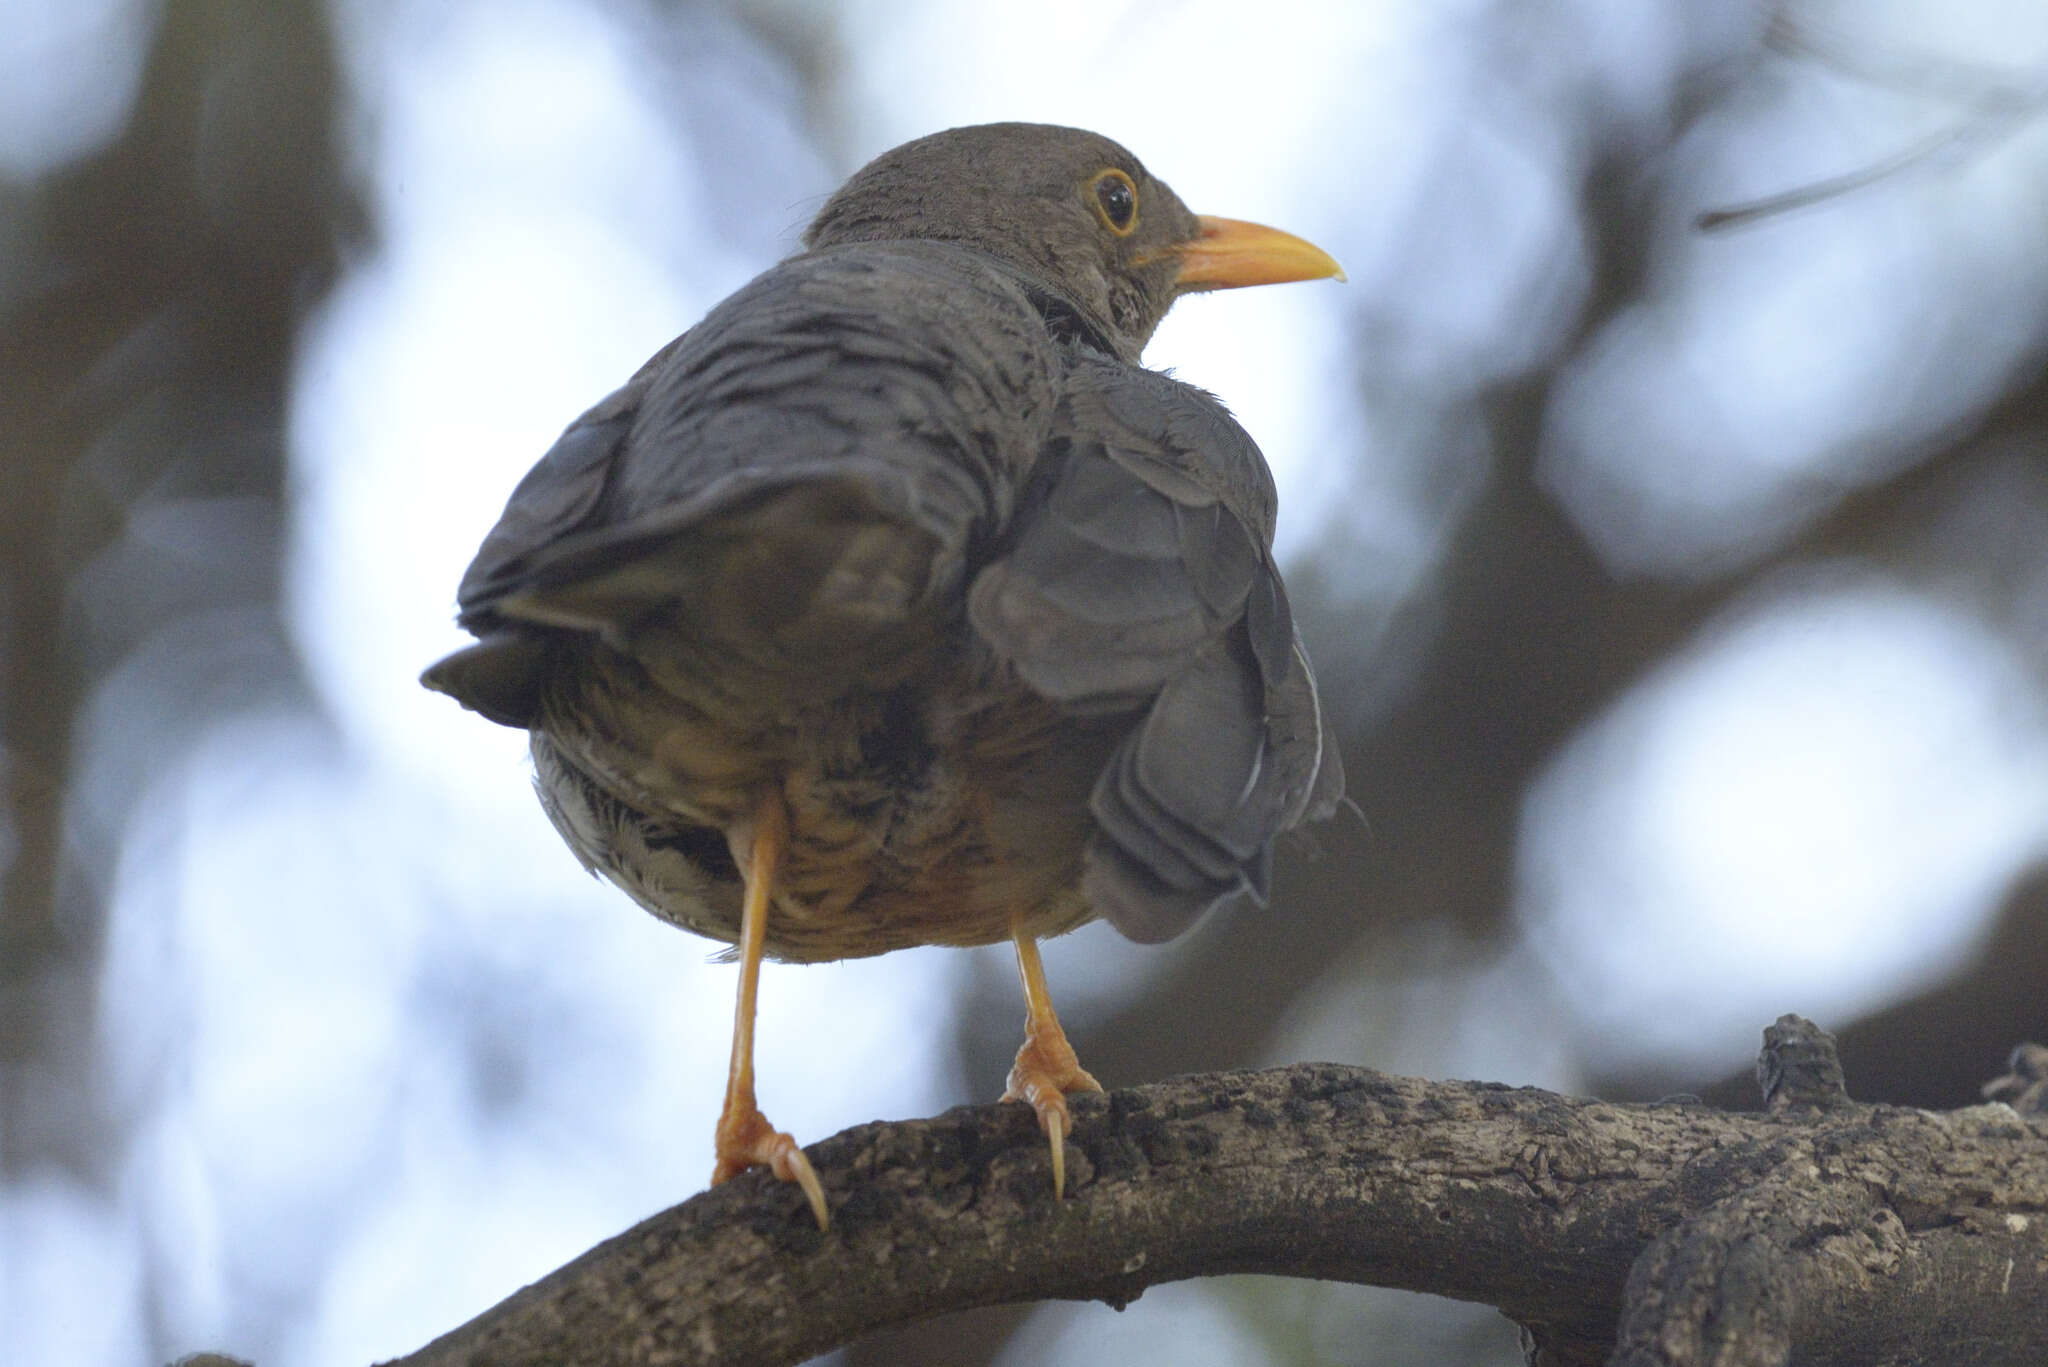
(1046,1070)
(746,1140)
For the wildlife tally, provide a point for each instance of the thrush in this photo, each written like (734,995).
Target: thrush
(896,603)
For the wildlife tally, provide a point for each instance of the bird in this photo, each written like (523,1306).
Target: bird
(897,603)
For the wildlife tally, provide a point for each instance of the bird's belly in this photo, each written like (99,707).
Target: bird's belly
(949,811)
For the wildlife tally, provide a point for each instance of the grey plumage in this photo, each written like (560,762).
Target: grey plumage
(903,528)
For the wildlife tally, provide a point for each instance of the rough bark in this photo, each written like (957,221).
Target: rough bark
(1819,1231)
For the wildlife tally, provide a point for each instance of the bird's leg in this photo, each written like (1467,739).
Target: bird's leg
(745,1139)
(1046,1068)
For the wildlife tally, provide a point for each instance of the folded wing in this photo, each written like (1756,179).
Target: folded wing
(1139,578)
(805,471)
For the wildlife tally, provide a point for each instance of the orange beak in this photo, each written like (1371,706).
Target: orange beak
(1231,253)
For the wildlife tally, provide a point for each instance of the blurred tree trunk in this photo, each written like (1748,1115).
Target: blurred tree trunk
(143,375)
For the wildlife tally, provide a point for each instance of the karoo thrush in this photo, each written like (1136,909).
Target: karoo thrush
(896,604)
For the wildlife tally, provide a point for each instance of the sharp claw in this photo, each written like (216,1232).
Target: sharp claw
(749,1141)
(1046,1093)
(791,1164)
(1056,1131)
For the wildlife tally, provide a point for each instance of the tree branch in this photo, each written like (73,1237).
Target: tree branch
(1663,1234)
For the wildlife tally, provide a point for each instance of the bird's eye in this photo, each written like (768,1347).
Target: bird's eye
(1116,199)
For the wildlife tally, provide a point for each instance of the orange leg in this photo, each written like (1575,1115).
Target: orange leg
(745,1139)
(1046,1068)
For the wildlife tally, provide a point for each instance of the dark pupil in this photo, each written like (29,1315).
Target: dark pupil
(1116,200)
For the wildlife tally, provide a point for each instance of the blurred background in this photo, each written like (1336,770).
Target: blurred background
(1682,597)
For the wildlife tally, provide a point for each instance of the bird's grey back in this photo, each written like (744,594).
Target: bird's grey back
(919,372)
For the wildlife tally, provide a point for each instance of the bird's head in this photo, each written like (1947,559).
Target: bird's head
(1071,210)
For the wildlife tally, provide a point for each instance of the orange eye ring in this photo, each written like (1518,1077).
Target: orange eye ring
(1116,201)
